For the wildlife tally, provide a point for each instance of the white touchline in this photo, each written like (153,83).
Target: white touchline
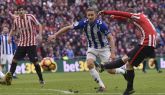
(26,93)
(68,92)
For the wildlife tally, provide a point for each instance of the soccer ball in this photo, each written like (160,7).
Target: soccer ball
(48,64)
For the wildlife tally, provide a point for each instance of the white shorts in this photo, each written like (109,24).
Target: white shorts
(6,59)
(103,54)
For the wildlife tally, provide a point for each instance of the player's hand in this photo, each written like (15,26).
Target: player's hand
(39,38)
(52,37)
(100,12)
(9,40)
(113,56)
(112,16)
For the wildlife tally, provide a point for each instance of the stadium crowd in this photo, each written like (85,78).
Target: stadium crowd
(54,14)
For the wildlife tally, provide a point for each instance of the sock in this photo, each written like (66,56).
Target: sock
(144,65)
(96,77)
(156,65)
(1,75)
(38,70)
(13,67)
(120,71)
(14,74)
(114,64)
(130,79)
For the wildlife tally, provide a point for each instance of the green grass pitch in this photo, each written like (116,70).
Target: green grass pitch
(151,83)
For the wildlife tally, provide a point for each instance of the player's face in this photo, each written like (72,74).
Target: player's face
(5,30)
(91,15)
(21,12)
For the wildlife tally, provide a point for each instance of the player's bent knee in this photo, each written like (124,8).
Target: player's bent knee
(90,63)
(125,58)
(129,66)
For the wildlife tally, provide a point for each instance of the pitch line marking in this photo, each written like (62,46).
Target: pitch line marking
(68,92)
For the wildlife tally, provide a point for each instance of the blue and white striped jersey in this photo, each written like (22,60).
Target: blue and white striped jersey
(96,32)
(6,48)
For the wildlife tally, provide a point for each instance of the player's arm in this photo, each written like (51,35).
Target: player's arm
(121,18)
(37,24)
(105,30)
(61,31)
(12,31)
(117,13)
(12,15)
(112,44)
(76,25)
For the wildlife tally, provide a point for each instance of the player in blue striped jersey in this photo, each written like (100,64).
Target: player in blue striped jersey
(99,42)
(7,49)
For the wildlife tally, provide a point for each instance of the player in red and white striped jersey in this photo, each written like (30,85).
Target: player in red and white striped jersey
(24,25)
(142,22)
(121,18)
(140,52)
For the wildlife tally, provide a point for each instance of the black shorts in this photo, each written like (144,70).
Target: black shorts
(21,52)
(139,53)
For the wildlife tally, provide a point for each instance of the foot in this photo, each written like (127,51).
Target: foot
(144,71)
(159,71)
(98,67)
(100,89)
(129,91)
(15,77)
(8,78)
(42,83)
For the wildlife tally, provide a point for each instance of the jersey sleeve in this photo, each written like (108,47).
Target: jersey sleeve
(120,18)
(104,28)
(118,13)
(79,25)
(34,20)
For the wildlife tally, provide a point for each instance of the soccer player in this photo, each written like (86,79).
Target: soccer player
(24,25)
(140,52)
(98,37)
(7,49)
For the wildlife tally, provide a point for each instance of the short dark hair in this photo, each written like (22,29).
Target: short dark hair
(92,9)
(21,6)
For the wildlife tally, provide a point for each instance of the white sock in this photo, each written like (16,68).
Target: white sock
(120,71)
(1,75)
(96,76)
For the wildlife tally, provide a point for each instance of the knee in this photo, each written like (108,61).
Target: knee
(129,66)
(125,58)
(90,64)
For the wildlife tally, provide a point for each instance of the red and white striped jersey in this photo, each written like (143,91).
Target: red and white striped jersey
(147,29)
(25,27)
